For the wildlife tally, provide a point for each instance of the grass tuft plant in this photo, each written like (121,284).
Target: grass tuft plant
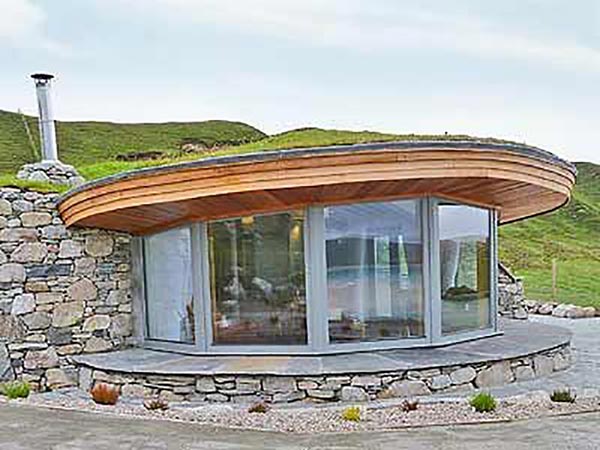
(105,394)
(15,389)
(351,414)
(563,396)
(483,402)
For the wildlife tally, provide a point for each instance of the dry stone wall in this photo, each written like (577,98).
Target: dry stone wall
(511,295)
(346,387)
(63,291)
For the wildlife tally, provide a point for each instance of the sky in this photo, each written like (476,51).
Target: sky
(525,70)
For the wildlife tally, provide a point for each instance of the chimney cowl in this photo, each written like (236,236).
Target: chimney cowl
(42,76)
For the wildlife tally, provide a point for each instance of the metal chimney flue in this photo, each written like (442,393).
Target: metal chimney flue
(43,83)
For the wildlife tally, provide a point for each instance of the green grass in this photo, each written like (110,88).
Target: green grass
(483,402)
(15,147)
(317,137)
(12,181)
(307,137)
(571,235)
(15,389)
(85,143)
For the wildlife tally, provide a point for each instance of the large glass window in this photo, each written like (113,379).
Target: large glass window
(464,268)
(169,298)
(257,280)
(249,273)
(374,271)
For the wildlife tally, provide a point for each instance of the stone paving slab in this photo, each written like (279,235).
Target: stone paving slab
(583,375)
(519,339)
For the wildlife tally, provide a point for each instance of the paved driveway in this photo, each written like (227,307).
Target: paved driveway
(25,427)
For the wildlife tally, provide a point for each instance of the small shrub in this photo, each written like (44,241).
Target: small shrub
(15,389)
(156,404)
(105,394)
(483,402)
(562,396)
(351,414)
(259,407)
(410,405)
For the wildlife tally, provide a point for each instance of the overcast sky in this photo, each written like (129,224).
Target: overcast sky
(527,70)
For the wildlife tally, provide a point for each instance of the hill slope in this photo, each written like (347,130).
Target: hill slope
(571,235)
(84,143)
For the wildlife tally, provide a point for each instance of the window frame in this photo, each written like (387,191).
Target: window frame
(438,337)
(316,290)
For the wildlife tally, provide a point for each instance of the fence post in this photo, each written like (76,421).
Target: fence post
(554,279)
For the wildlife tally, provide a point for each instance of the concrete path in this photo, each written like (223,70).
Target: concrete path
(585,372)
(24,427)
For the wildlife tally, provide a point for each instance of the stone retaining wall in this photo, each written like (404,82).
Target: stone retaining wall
(339,387)
(62,292)
(562,310)
(511,295)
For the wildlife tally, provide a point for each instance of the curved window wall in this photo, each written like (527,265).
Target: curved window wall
(339,278)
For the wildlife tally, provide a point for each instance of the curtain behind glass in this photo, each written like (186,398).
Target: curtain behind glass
(374,271)
(169,303)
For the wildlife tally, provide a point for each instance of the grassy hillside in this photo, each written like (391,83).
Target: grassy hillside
(85,143)
(305,137)
(97,149)
(571,235)
(16,148)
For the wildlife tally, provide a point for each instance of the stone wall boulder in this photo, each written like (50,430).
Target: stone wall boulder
(6,371)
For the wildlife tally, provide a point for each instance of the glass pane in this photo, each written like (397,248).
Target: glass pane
(374,271)
(257,280)
(169,298)
(465,268)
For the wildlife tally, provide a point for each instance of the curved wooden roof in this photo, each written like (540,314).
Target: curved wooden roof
(519,181)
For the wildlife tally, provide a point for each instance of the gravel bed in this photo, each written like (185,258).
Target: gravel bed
(327,418)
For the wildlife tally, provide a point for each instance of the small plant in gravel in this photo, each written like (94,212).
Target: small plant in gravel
(483,402)
(15,389)
(410,405)
(105,394)
(258,407)
(156,404)
(563,396)
(351,414)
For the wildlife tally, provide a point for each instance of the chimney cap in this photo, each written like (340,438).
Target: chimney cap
(42,76)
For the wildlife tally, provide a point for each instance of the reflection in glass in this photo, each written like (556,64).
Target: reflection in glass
(257,280)
(374,271)
(465,268)
(169,303)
